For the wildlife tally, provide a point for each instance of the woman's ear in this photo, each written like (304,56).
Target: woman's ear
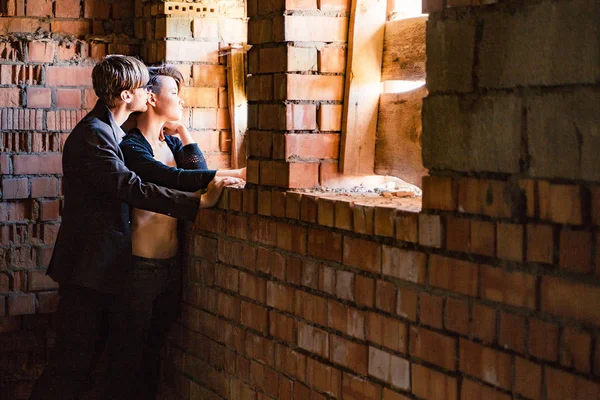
(126,96)
(152,99)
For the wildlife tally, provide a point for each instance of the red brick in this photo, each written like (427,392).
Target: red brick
(406,227)
(483,238)
(575,350)
(309,87)
(540,243)
(21,304)
(363,218)
(346,319)
(514,288)
(4,164)
(329,117)
(575,251)
(262,230)
(389,368)
(439,193)
(355,388)
(452,274)
(41,51)
(571,300)
(323,377)
(483,323)
(562,385)
(291,238)
(309,208)
(343,214)
(199,97)
(387,332)
(458,234)
(431,6)
(38,280)
(313,339)
(362,254)
(528,378)
(311,146)
(509,245)
(512,332)
(44,187)
(349,354)
(431,384)
(344,285)
(10,97)
(404,264)
(384,221)
(385,296)
(311,308)
(14,188)
(433,347)
(68,8)
(39,8)
(543,339)
(431,231)
(326,212)
(406,303)
(280,296)
(209,75)
(489,365)
(68,98)
(364,293)
(476,391)
(76,28)
(68,76)
(282,327)
(254,316)
(290,362)
(38,97)
(325,244)
(47,302)
(431,310)
(456,316)
(300,117)
(292,205)
(565,204)
(293,29)
(89,98)
(332,59)
(253,287)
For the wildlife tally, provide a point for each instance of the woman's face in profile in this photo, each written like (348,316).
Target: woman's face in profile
(167,102)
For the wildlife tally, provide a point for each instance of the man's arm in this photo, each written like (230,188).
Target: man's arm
(93,159)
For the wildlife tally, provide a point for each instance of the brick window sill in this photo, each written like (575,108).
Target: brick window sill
(394,217)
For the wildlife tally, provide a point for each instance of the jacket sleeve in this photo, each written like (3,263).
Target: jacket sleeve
(95,160)
(149,169)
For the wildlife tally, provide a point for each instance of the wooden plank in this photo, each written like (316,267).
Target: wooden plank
(238,105)
(404,50)
(363,85)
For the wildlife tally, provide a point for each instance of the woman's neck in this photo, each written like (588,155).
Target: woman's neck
(151,127)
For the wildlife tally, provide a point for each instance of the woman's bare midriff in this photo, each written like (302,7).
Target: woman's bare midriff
(153,235)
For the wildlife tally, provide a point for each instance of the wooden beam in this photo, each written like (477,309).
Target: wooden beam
(363,85)
(238,105)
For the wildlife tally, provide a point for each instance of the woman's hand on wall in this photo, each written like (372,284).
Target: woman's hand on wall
(215,188)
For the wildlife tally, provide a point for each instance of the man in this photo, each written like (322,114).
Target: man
(93,246)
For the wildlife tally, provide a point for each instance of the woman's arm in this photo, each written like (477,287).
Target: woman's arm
(140,159)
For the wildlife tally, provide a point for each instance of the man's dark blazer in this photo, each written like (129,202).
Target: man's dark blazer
(94,240)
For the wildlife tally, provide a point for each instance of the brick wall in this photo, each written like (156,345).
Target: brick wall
(490,292)
(47,50)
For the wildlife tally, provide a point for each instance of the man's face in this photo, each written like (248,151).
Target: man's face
(139,100)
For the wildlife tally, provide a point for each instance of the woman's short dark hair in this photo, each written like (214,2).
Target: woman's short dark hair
(116,73)
(164,70)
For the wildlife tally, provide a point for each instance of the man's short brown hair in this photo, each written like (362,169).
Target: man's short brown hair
(116,73)
(164,70)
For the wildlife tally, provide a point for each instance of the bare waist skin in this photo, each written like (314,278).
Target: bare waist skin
(153,235)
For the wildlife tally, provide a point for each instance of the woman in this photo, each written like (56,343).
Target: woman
(154,283)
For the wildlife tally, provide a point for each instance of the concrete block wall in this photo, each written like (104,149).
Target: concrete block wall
(490,292)
(47,50)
